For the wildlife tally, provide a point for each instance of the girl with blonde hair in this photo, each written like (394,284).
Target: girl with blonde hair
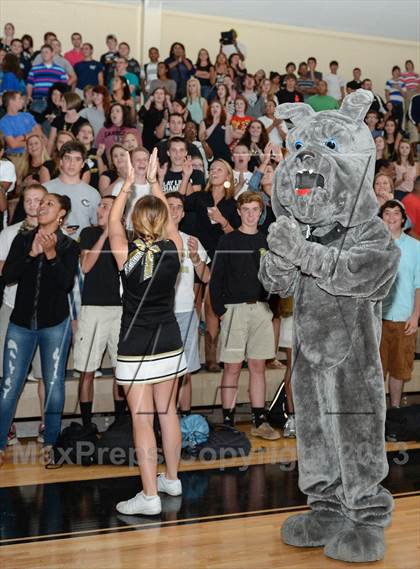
(215,214)
(196,104)
(150,352)
(32,166)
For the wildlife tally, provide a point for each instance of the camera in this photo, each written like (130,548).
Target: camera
(227,37)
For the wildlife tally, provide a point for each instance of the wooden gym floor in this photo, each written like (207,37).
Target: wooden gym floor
(228,517)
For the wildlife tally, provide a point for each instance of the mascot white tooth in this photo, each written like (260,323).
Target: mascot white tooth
(330,250)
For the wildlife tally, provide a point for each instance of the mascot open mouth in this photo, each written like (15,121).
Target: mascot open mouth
(306,181)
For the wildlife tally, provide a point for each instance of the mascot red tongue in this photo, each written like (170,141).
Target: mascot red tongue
(338,276)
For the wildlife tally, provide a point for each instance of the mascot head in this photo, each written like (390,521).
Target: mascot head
(327,176)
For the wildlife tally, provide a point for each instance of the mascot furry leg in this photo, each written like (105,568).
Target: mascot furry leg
(331,251)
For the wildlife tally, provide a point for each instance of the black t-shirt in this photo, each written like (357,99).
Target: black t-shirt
(60,124)
(207,68)
(151,119)
(163,151)
(234,277)
(101,285)
(285,96)
(199,223)
(354,85)
(173,180)
(217,143)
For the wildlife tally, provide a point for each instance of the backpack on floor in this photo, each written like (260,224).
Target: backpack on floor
(223,442)
(76,444)
(116,445)
(403,424)
(277,410)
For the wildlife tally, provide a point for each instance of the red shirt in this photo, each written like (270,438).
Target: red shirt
(411,79)
(73,56)
(412,207)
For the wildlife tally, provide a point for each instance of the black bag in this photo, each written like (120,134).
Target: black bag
(116,444)
(223,442)
(403,424)
(277,410)
(76,445)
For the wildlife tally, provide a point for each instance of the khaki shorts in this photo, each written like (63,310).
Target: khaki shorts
(98,328)
(246,331)
(397,350)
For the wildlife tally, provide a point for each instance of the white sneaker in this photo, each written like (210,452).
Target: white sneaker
(289,431)
(171,487)
(140,504)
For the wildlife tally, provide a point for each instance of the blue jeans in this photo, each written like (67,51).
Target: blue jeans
(38,105)
(19,349)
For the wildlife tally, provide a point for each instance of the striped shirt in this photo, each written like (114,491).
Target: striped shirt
(411,79)
(395,89)
(42,77)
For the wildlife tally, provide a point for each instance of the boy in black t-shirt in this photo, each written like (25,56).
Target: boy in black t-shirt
(181,177)
(239,299)
(98,325)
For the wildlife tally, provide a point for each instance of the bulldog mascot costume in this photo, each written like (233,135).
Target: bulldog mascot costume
(331,251)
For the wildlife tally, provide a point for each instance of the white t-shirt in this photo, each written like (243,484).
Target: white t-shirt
(273,135)
(6,240)
(247,176)
(184,293)
(139,190)
(149,74)
(334,84)
(7,174)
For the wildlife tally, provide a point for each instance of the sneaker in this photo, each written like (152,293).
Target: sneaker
(140,504)
(265,431)
(171,487)
(12,437)
(41,431)
(289,431)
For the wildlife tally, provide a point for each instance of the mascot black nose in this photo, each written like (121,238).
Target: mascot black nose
(305,154)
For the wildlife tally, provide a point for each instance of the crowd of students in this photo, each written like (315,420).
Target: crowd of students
(156,179)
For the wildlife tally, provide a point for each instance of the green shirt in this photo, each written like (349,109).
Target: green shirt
(322,103)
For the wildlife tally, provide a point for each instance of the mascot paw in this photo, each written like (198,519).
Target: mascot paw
(285,239)
(312,529)
(361,544)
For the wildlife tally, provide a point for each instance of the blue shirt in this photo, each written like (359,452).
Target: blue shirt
(42,77)
(11,82)
(87,73)
(398,306)
(17,125)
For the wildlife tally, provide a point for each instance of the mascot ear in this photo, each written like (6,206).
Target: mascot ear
(294,111)
(356,104)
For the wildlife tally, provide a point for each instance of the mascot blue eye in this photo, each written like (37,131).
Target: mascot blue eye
(298,144)
(331,143)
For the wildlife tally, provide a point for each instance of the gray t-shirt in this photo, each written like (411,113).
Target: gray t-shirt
(84,201)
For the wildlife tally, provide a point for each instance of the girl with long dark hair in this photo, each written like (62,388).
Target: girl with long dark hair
(43,263)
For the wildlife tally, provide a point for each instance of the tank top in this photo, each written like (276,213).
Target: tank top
(148,278)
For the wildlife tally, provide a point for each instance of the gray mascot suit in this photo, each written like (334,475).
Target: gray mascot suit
(329,249)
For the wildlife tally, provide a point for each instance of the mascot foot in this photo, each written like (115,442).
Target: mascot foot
(312,529)
(357,545)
